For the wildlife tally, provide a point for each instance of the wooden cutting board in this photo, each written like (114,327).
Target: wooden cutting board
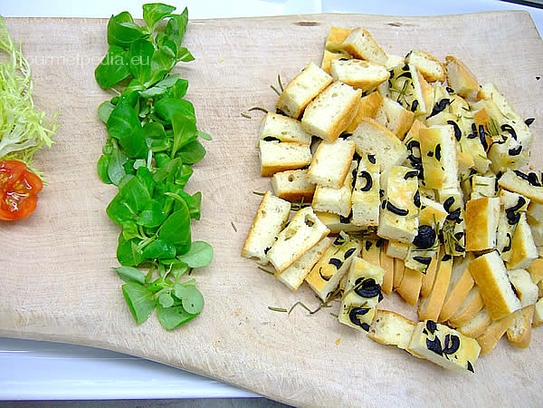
(56,266)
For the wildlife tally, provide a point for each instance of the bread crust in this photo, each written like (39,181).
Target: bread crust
(270,218)
(429,66)
(293,186)
(490,275)
(281,156)
(430,307)
(361,44)
(460,78)
(493,333)
(482,216)
(460,285)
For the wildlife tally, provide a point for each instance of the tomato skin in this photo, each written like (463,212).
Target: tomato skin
(19,189)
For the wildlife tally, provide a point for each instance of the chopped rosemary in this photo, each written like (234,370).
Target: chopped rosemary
(301,304)
(258,108)
(299,205)
(493,128)
(265,270)
(281,89)
(278,309)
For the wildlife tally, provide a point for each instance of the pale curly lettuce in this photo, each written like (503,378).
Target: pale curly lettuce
(23,130)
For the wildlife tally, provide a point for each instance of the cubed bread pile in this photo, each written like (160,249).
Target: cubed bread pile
(407,175)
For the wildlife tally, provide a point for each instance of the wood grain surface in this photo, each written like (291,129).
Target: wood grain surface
(57,281)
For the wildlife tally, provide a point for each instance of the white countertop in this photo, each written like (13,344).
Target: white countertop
(32,370)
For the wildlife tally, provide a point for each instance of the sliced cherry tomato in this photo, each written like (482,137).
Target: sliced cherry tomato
(19,189)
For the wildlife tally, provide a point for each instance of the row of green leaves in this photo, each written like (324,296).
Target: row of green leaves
(152,144)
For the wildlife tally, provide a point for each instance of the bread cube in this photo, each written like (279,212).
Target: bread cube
(281,128)
(293,186)
(329,56)
(460,285)
(361,44)
(280,156)
(432,212)
(333,265)
(395,117)
(525,289)
(337,223)
(444,346)
(294,275)
(460,78)
(439,157)
(369,106)
(370,250)
(430,306)
(454,226)
(526,184)
(303,88)
(408,87)
(330,113)
(303,232)
(441,109)
(494,332)
(477,325)
(470,144)
(482,216)
(335,200)
(391,328)
(523,248)
(398,217)
(372,138)
(536,270)
(396,249)
(534,212)
(483,186)
(331,163)
(362,293)
(335,38)
(429,66)
(425,245)
(490,275)
(514,121)
(508,154)
(365,197)
(519,332)
(270,218)
(537,234)
(360,74)
(512,206)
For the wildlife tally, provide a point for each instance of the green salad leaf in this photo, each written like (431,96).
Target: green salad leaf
(152,144)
